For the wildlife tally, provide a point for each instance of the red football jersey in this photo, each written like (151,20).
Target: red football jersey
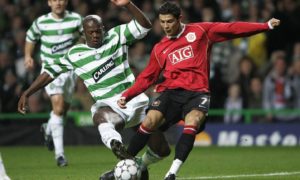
(184,59)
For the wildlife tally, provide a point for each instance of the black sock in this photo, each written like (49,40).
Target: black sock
(184,146)
(138,141)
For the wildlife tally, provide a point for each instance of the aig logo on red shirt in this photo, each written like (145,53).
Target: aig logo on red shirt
(181,54)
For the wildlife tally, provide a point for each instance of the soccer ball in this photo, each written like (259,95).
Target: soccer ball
(127,169)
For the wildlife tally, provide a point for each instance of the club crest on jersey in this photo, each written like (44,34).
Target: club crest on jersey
(60,32)
(156,103)
(103,70)
(181,54)
(97,56)
(190,37)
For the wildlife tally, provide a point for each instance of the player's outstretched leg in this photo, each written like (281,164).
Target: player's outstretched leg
(119,150)
(61,161)
(48,140)
(109,175)
(170,177)
(3,175)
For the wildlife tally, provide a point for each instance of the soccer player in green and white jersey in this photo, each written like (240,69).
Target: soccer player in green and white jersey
(57,31)
(103,66)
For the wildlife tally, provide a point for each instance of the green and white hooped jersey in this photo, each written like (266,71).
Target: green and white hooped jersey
(105,70)
(56,35)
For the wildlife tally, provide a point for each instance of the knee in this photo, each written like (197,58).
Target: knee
(195,118)
(59,111)
(162,150)
(151,123)
(165,151)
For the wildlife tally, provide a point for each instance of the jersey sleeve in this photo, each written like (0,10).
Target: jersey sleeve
(131,32)
(33,34)
(145,79)
(57,66)
(218,32)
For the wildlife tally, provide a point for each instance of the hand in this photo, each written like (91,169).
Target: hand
(22,104)
(120,2)
(29,63)
(274,22)
(122,103)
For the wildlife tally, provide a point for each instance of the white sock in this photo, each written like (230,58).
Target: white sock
(3,175)
(174,167)
(55,124)
(149,157)
(108,132)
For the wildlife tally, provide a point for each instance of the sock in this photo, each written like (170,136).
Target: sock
(185,143)
(149,157)
(3,175)
(176,164)
(139,140)
(108,132)
(183,148)
(55,125)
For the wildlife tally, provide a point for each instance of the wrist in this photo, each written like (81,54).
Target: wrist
(26,94)
(270,25)
(128,4)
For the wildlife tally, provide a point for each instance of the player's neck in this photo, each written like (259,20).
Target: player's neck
(179,31)
(58,16)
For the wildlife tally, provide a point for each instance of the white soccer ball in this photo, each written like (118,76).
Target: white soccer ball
(127,169)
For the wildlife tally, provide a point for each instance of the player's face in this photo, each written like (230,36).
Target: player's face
(93,32)
(58,6)
(169,24)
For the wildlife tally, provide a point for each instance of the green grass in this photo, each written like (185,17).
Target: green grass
(88,162)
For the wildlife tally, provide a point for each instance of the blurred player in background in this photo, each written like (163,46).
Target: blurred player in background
(103,66)
(57,31)
(183,57)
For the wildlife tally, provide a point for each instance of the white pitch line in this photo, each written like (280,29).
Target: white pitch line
(243,175)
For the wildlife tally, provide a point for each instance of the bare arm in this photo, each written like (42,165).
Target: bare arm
(41,81)
(29,48)
(135,11)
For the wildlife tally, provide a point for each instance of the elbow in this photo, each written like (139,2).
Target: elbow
(147,24)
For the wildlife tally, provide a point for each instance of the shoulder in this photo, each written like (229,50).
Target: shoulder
(73,15)
(43,18)
(77,48)
(199,25)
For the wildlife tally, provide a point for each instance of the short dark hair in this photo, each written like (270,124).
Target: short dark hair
(170,8)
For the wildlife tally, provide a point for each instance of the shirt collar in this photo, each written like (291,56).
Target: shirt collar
(179,34)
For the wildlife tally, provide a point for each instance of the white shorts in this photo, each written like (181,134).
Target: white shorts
(133,115)
(63,84)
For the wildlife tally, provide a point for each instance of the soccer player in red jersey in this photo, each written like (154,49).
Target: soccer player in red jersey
(183,57)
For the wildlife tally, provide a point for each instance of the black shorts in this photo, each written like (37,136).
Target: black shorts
(175,104)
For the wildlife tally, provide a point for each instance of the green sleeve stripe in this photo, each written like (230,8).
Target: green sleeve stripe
(117,90)
(30,38)
(129,37)
(137,27)
(48,68)
(35,34)
(110,81)
(64,68)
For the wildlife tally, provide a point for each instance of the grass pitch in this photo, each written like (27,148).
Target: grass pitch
(88,162)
